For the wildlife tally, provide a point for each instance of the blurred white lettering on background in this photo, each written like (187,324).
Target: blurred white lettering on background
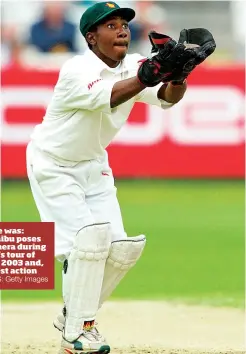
(207,115)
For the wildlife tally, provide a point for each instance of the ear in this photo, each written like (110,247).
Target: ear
(91,38)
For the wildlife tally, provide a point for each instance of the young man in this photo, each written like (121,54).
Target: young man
(68,168)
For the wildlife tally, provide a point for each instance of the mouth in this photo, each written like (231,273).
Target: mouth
(121,44)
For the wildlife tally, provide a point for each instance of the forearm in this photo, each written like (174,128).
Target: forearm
(172,93)
(124,90)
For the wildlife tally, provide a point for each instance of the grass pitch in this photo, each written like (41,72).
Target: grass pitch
(195,240)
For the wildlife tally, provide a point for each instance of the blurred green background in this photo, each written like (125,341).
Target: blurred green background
(195,240)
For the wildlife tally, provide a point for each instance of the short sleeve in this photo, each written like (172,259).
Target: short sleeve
(92,94)
(149,96)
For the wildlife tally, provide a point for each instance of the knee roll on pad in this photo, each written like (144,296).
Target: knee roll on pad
(92,243)
(123,255)
(82,281)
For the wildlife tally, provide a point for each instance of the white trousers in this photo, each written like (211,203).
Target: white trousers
(73,196)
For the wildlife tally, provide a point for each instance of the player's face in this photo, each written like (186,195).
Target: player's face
(112,39)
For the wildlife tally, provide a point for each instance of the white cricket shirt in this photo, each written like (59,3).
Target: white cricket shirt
(79,122)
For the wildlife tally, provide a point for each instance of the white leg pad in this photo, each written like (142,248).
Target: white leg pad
(123,255)
(82,281)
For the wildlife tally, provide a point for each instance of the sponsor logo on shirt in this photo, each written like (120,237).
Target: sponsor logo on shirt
(90,85)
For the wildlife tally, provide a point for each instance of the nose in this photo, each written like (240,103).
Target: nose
(122,33)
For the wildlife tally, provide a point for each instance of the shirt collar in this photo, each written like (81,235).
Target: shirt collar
(96,62)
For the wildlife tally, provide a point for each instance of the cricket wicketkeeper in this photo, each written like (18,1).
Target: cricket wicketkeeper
(67,163)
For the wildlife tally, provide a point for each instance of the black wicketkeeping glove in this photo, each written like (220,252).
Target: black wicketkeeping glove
(199,41)
(153,70)
(201,37)
(181,60)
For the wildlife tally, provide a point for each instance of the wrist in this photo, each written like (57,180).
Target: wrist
(178,82)
(141,84)
(174,93)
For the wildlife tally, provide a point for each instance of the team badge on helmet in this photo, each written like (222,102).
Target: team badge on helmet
(110,5)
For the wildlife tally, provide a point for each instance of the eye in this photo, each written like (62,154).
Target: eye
(125,26)
(110,25)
